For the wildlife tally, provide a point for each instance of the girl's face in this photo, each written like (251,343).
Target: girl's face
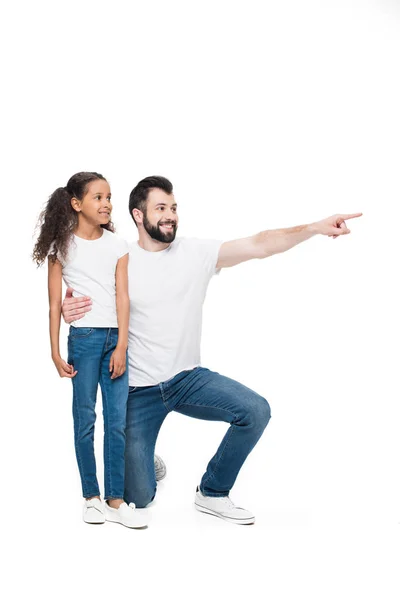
(95,206)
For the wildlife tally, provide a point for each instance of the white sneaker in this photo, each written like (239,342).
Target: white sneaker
(93,511)
(160,468)
(126,515)
(224,508)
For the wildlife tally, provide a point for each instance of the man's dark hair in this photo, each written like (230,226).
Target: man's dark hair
(140,192)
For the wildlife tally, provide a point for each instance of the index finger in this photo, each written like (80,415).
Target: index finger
(78,302)
(352,216)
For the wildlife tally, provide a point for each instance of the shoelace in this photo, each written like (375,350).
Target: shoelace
(230,504)
(91,505)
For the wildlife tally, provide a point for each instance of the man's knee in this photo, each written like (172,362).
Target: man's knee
(140,482)
(260,412)
(140,497)
(266,412)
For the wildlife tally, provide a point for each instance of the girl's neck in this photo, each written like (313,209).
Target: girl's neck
(87,231)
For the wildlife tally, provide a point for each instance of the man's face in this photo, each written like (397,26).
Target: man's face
(160,218)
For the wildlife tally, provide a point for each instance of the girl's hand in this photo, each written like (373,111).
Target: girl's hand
(63,368)
(117,363)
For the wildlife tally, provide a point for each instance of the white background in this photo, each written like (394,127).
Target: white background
(263,115)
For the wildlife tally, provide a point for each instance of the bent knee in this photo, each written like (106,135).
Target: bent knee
(260,413)
(141,498)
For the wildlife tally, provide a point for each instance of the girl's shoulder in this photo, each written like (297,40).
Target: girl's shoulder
(54,252)
(117,242)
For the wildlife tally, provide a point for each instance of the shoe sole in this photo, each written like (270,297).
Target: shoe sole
(100,521)
(160,477)
(94,522)
(249,521)
(144,526)
(161,473)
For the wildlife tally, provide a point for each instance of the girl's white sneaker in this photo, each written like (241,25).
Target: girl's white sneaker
(127,515)
(93,511)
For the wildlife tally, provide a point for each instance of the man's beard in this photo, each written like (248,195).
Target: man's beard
(155,232)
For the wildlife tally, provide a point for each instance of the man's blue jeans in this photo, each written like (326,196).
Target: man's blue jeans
(202,394)
(89,351)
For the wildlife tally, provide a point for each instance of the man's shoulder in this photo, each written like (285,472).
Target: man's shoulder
(179,243)
(182,245)
(195,242)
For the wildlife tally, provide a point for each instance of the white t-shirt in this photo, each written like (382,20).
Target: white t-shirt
(90,271)
(167,291)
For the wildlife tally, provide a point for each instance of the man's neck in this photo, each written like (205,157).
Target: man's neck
(147,243)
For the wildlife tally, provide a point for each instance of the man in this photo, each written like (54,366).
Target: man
(168,279)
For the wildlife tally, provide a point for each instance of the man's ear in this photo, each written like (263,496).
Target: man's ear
(76,204)
(138,216)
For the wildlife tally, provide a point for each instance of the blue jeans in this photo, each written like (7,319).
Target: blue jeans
(202,394)
(89,351)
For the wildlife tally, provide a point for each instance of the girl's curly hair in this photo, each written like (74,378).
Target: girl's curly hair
(58,220)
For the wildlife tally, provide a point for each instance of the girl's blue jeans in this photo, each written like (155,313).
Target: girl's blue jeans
(89,351)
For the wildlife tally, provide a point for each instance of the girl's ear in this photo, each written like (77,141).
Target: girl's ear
(76,204)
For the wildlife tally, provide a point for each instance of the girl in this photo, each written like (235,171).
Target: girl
(76,234)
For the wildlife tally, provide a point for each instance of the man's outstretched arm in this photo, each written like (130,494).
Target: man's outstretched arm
(274,241)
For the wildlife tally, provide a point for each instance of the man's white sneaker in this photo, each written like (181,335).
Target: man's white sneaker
(127,515)
(93,511)
(223,508)
(160,468)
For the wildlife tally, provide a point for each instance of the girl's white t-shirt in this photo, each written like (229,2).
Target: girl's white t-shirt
(89,270)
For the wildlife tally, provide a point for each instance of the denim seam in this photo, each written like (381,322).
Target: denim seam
(77,336)
(107,463)
(162,396)
(107,448)
(78,454)
(222,453)
(227,440)
(107,338)
(207,406)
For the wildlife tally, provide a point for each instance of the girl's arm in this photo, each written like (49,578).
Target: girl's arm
(55,289)
(118,358)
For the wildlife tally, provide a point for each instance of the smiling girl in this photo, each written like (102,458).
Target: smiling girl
(77,236)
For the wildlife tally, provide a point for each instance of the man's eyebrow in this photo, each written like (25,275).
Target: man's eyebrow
(165,204)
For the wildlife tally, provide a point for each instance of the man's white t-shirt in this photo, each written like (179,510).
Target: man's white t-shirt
(89,270)
(167,291)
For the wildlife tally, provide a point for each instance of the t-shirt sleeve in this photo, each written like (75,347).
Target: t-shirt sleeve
(52,251)
(207,252)
(122,247)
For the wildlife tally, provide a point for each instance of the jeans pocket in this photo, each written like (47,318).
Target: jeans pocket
(80,332)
